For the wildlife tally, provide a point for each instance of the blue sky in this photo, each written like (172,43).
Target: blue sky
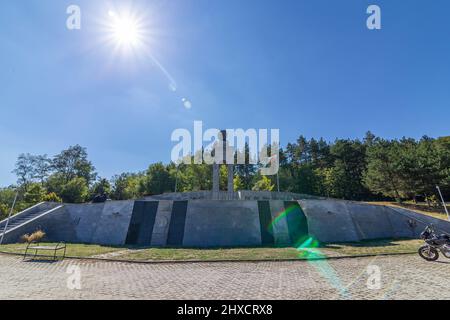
(306,67)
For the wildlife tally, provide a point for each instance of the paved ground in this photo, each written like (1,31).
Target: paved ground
(402,277)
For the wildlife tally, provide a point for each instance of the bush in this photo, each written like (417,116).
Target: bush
(4,210)
(52,197)
(34,194)
(36,236)
(75,191)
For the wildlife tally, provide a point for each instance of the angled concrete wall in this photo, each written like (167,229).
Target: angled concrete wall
(370,221)
(347,221)
(227,223)
(105,223)
(329,221)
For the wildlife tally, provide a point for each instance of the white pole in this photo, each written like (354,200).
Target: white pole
(443,202)
(9,216)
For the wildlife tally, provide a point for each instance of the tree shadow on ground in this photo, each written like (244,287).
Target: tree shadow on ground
(365,243)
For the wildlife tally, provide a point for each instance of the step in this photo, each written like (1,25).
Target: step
(17,222)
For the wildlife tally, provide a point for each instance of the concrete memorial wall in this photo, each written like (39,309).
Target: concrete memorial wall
(223,223)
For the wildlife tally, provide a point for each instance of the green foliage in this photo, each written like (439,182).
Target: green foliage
(194,177)
(407,168)
(73,163)
(373,168)
(238,183)
(35,193)
(263,184)
(157,180)
(75,191)
(101,187)
(4,210)
(52,197)
(126,186)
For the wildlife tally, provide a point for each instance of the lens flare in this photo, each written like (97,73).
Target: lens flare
(308,249)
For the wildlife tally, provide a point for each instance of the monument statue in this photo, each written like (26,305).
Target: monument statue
(224,155)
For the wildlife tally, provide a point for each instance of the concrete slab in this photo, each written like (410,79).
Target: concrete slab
(329,220)
(112,225)
(162,222)
(371,221)
(279,225)
(212,223)
(85,218)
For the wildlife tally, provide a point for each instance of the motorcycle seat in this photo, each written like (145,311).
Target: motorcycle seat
(444,237)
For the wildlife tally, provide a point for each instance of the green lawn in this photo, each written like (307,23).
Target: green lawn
(158,254)
(73,250)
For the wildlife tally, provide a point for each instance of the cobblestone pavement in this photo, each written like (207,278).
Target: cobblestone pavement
(402,277)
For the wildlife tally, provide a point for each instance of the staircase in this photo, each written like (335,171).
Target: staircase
(26,216)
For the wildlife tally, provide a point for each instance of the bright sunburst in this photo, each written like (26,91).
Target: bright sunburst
(125,30)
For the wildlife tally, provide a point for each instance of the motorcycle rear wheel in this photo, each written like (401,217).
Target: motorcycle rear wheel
(428,253)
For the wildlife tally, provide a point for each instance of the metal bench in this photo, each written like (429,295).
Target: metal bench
(36,247)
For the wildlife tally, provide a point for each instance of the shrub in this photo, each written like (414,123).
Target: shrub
(36,236)
(34,194)
(52,197)
(75,191)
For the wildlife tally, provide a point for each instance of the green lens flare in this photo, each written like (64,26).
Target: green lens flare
(308,249)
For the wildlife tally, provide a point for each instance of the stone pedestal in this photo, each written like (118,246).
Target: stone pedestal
(230,186)
(216,178)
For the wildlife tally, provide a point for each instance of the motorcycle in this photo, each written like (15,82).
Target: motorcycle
(434,244)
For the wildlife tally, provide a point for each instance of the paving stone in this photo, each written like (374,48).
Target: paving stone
(402,277)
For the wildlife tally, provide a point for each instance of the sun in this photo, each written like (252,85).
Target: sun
(125,30)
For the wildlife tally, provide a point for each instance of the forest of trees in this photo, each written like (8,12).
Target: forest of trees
(368,169)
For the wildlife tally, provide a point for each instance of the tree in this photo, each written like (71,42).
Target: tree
(348,168)
(263,184)
(24,169)
(35,193)
(101,187)
(41,168)
(126,186)
(194,177)
(157,180)
(6,199)
(73,163)
(75,191)
(424,165)
(238,184)
(52,197)
(383,173)
(246,171)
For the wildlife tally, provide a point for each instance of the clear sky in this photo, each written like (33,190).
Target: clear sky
(306,67)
